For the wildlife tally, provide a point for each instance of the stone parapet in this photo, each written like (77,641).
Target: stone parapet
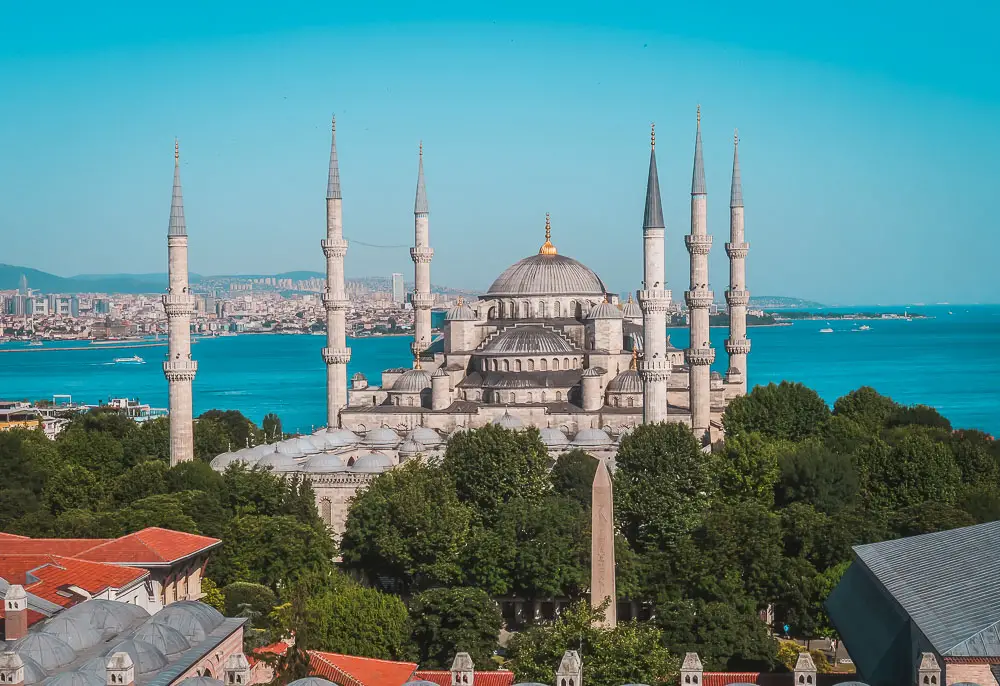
(698,244)
(699,356)
(739,346)
(699,299)
(180,370)
(334,247)
(737,250)
(654,300)
(422,301)
(332,303)
(421,255)
(737,298)
(336,355)
(178,304)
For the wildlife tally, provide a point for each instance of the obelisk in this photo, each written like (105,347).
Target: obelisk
(602,547)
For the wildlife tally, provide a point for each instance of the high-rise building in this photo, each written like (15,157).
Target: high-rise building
(398,294)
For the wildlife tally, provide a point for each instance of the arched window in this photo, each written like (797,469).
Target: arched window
(531,365)
(555,363)
(571,312)
(512,308)
(506,365)
(557,309)
(558,396)
(631,401)
(326,511)
(616,401)
(517,365)
(485,365)
(565,363)
(510,397)
(409,401)
(496,365)
(525,309)
(544,396)
(544,364)
(530,398)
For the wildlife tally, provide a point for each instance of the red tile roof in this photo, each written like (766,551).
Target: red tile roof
(32,615)
(501,677)
(349,670)
(68,547)
(152,546)
(727,678)
(255,655)
(55,572)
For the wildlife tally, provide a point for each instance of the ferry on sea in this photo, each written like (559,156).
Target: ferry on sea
(135,359)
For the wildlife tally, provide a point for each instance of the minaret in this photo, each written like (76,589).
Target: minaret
(336,354)
(737,297)
(654,299)
(700,354)
(179,368)
(421,253)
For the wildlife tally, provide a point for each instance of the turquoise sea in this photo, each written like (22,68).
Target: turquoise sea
(948,361)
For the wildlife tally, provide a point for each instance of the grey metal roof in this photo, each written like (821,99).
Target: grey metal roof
(652,218)
(547,275)
(325,462)
(627,381)
(145,656)
(736,193)
(35,603)
(177,225)
(312,681)
(163,637)
(508,421)
(75,631)
(528,340)
(948,582)
(605,310)
(413,381)
(333,180)
(75,678)
(48,650)
(420,202)
(381,436)
(698,175)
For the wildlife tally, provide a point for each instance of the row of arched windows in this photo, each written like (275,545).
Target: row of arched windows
(528,309)
(542,364)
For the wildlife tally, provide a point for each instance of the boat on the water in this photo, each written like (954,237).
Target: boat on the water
(826,330)
(35,344)
(135,359)
(865,327)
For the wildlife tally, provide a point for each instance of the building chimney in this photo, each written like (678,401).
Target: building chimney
(805,670)
(237,670)
(463,671)
(929,671)
(15,604)
(11,669)
(691,670)
(121,670)
(570,672)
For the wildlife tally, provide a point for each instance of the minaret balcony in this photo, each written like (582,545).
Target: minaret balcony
(654,300)
(654,369)
(421,255)
(736,298)
(333,303)
(700,298)
(738,346)
(698,244)
(336,355)
(178,304)
(737,250)
(180,370)
(699,357)
(334,247)
(422,301)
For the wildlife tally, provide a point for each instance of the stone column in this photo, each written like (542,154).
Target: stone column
(602,547)
(421,253)
(700,353)
(179,369)
(737,297)
(654,299)
(336,354)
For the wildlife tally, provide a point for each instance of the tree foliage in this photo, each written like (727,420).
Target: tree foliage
(445,621)
(787,411)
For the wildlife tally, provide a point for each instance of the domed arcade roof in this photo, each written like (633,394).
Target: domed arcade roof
(372,463)
(509,421)
(381,436)
(626,382)
(412,381)
(591,437)
(553,437)
(605,310)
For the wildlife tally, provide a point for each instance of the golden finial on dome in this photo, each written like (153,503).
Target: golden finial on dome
(547,247)
(652,135)
(459,301)
(416,360)
(630,297)
(635,357)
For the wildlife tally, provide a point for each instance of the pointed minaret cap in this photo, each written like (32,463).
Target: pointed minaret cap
(652,218)
(420,203)
(333,180)
(177,225)
(547,247)
(736,194)
(698,176)
(929,663)
(804,663)
(692,663)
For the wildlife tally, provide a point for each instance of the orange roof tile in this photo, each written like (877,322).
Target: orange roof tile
(727,678)
(68,547)
(349,670)
(150,546)
(55,572)
(33,616)
(501,677)
(279,648)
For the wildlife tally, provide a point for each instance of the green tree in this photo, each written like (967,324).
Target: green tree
(977,456)
(787,411)
(142,480)
(213,597)
(492,465)
(631,653)
(240,431)
(93,450)
(747,467)
(241,595)
(211,439)
(271,427)
(149,441)
(663,483)
(726,636)
(165,510)
(70,488)
(919,415)
(573,475)
(248,490)
(193,476)
(551,544)
(445,621)
(929,517)
(408,525)
(813,474)
(866,407)
(909,468)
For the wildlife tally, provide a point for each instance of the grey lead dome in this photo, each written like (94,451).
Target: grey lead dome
(547,275)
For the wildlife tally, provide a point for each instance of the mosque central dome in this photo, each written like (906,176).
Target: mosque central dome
(547,273)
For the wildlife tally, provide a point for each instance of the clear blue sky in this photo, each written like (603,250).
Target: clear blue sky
(870,136)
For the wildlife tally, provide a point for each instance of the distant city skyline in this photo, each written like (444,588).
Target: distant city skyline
(868,163)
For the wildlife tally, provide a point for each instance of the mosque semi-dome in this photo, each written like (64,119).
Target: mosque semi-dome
(527,340)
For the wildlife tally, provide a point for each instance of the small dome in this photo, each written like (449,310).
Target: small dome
(278,462)
(522,340)
(75,678)
(357,376)
(145,656)
(716,376)
(324,463)
(192,619)
(421,682)
(461,313)
(108,616)
(438,373)
(223,460)
(163,637)
(591,437)
(425,435)
(290,448)
(605,310)
(590,372)
(373,463)
(553,437)
(75,631)
(33,672)
(311,681)
(342,436)
(631,310)
(509,421)
(412,381)
(628,381)
(383,436)
(202,681)
(48,650)
(411,447)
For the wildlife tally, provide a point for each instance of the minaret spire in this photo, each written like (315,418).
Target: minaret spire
(700,354)
(336,354)
(654,299)
(737,296)
(421,253)
(179,369)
